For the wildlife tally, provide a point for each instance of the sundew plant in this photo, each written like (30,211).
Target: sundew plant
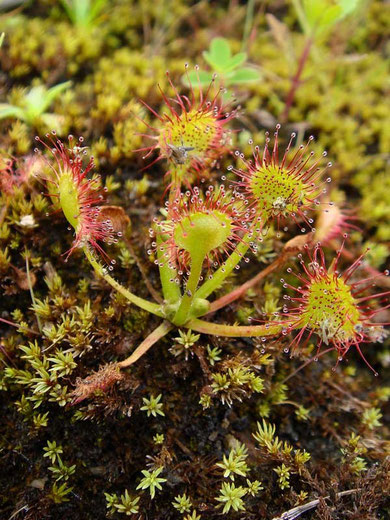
(206,231)
(194,247)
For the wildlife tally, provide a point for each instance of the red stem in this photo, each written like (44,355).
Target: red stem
(240,291)
(17,325)
(291,248)
(296,80)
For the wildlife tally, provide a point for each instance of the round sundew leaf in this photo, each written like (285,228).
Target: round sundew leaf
(276,191)
(200,233)
(331,310)
(192,134)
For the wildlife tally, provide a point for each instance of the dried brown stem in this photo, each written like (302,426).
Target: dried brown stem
(297,511)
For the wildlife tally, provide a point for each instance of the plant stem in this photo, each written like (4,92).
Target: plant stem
(140,302)
(235,331)
(193,280)
(171,290)
(296,80)
(240,291)
(147,343)
(219,276)
(291,514)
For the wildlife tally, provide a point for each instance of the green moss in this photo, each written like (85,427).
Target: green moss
(39,46)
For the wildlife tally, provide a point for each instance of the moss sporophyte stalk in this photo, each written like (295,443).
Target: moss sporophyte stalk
(206,231)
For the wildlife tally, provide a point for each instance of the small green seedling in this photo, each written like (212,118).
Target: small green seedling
(32,107)
(317,16)
(228,67)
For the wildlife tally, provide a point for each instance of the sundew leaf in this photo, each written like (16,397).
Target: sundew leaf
(219,55)
(243,75)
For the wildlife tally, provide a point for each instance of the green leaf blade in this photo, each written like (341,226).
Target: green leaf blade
(235,61)
(54,92)
(197,78)
(242,76)
(219,55)
(7,110)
